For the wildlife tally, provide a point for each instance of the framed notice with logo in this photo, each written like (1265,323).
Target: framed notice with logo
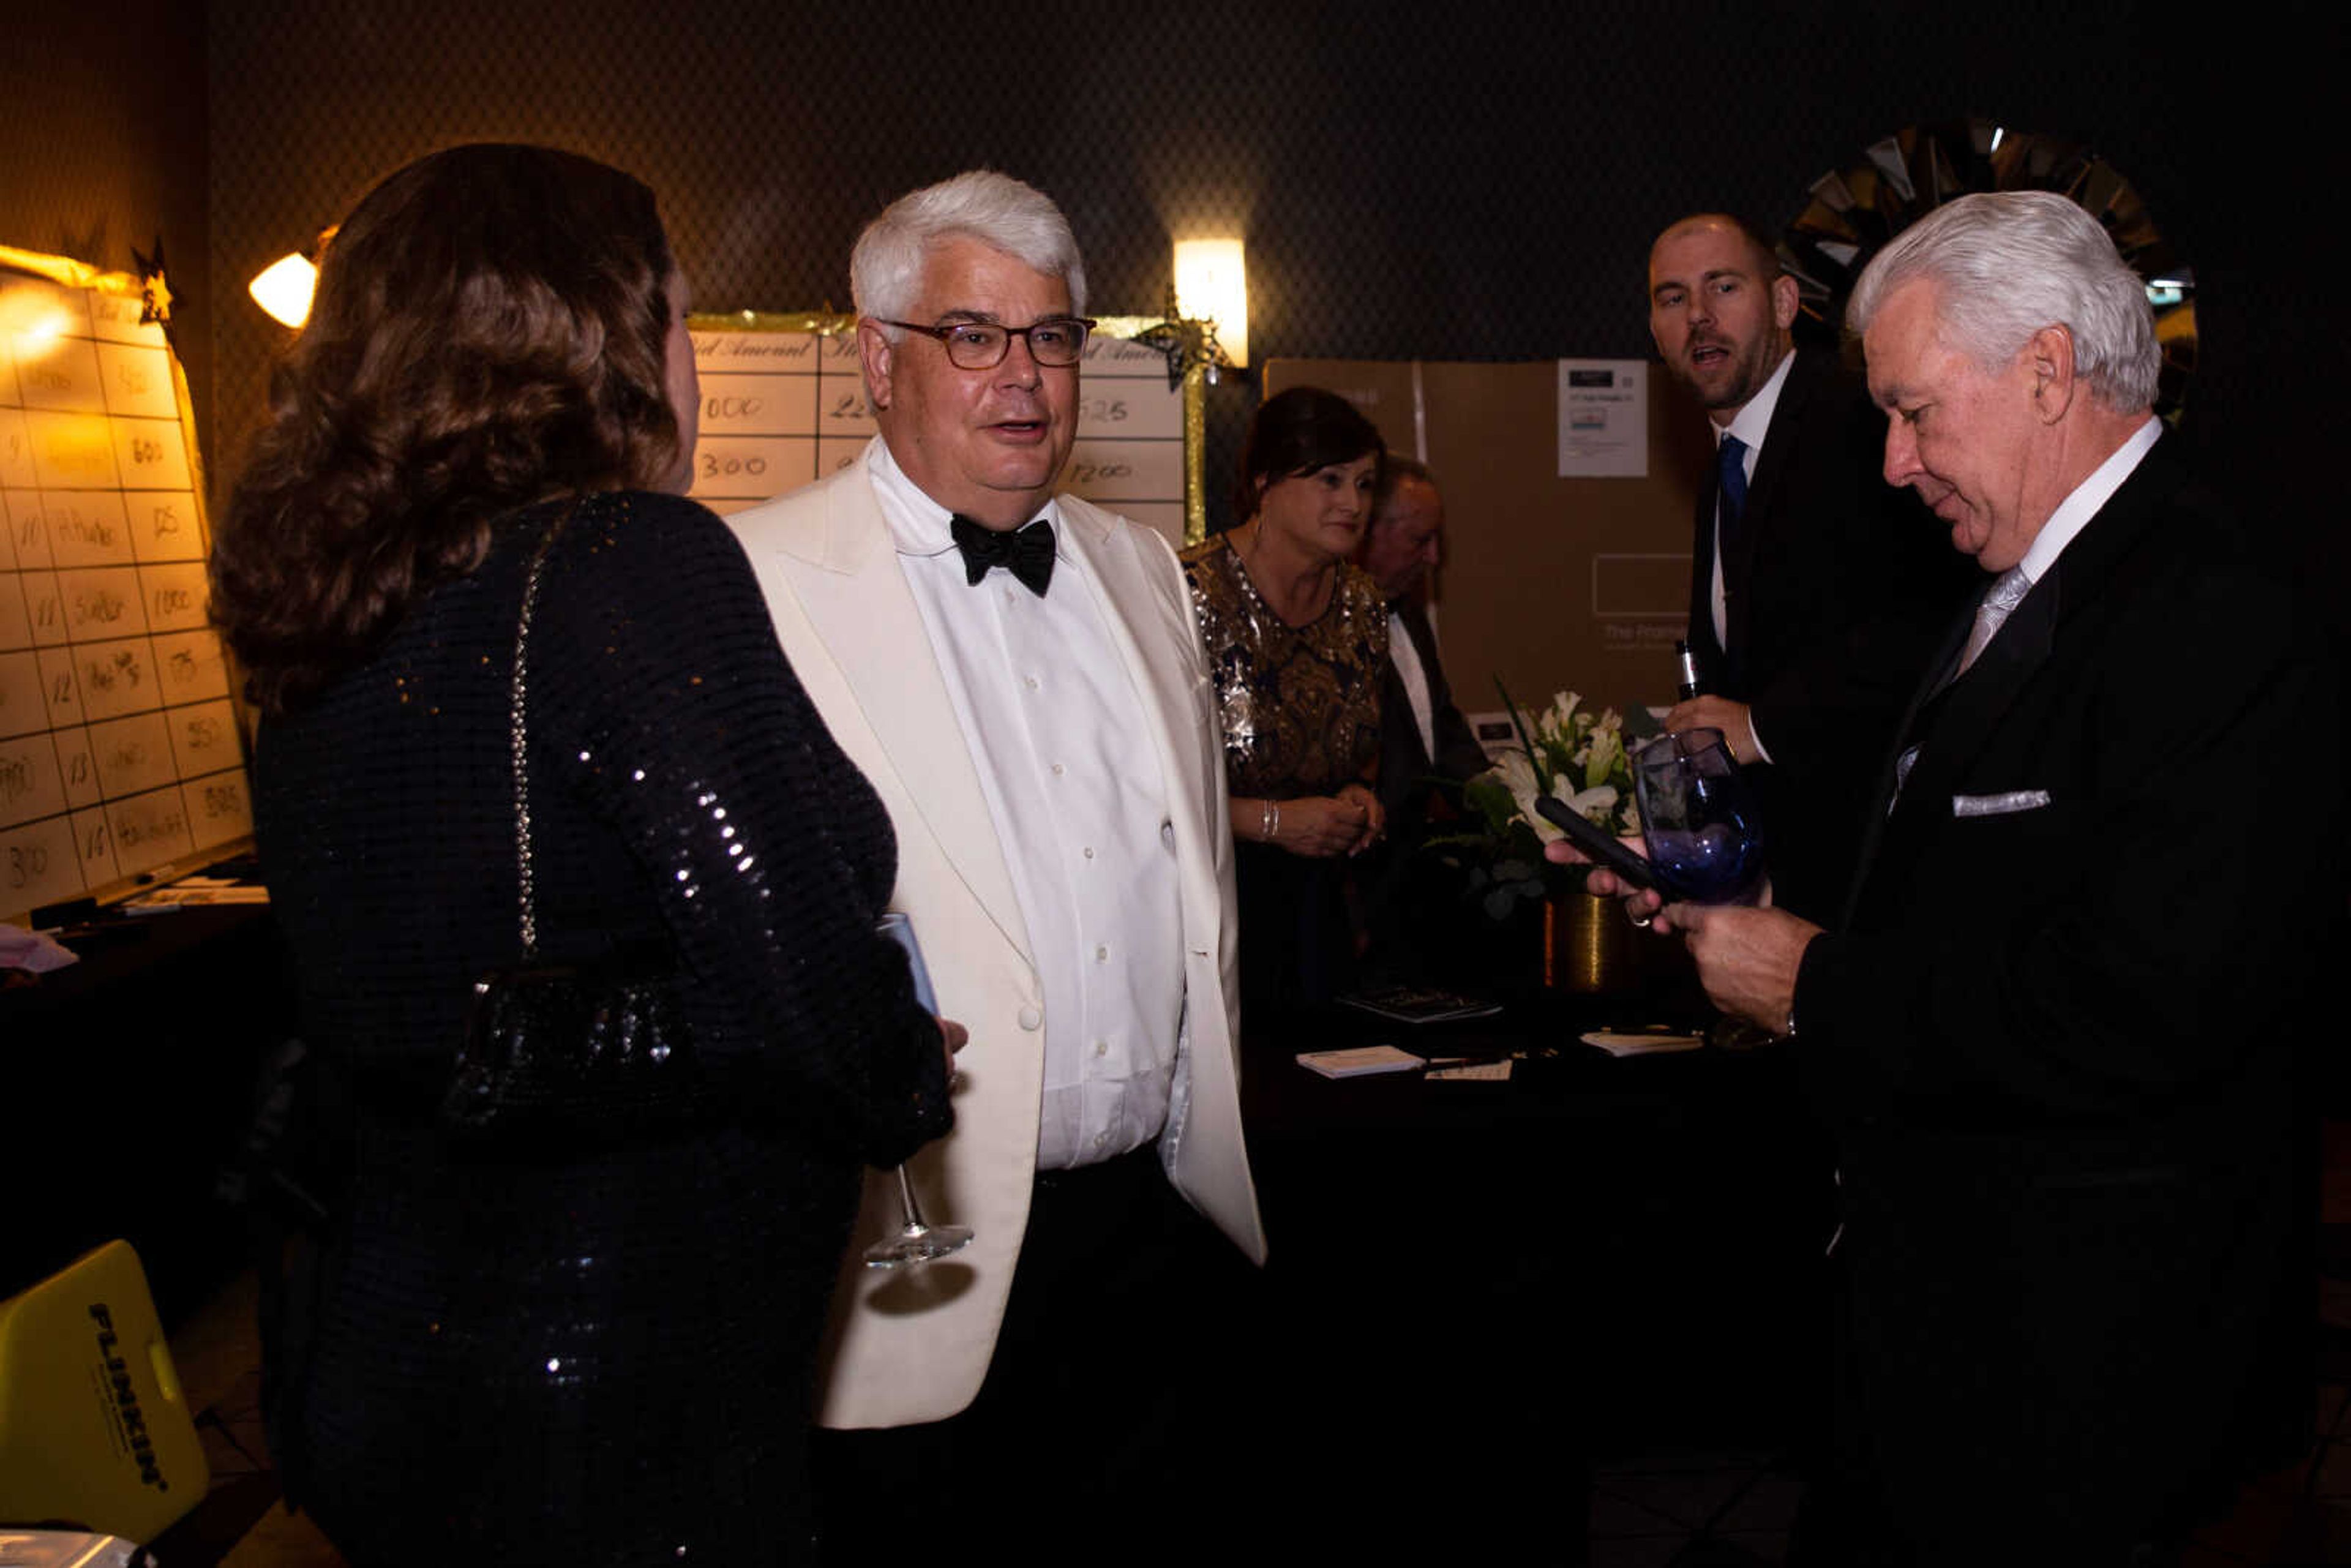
(121,754)
(783,403)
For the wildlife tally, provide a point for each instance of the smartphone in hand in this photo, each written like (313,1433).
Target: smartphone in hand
(1596,841)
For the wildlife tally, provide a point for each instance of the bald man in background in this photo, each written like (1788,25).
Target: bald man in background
(1424,743)
(1426,750)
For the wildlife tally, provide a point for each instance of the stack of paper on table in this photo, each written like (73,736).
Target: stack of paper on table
(1358,1061)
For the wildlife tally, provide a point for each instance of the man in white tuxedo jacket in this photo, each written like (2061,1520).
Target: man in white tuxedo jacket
(1019,674)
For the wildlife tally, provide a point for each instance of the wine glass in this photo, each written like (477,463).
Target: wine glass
(916,1241)
(1704,833)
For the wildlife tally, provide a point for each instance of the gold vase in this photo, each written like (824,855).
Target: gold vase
(1589,945)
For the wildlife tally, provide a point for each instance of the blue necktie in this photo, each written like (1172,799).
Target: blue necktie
(1730,458)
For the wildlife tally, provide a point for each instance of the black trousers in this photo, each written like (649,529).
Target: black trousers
(1114,1407)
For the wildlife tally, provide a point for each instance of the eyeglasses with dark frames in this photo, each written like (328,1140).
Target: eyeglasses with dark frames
(1053,341)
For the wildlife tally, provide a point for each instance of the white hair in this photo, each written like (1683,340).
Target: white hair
(885,269)
(2007,264)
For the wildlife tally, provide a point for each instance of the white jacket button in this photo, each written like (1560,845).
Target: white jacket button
(1032,1018)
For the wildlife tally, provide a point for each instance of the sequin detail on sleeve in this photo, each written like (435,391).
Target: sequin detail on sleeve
(1301,704)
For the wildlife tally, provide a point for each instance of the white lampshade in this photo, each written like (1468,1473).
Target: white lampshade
(284,288)
(1212,285)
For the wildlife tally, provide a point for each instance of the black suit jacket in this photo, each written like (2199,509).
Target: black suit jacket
(1833,602)
(1411,903)
(1407,769)
(2058,1033)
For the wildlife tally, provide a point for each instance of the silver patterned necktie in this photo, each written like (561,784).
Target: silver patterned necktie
(2007,592)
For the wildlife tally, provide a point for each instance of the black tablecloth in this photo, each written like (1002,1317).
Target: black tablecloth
(128,1080)
(1600,1253)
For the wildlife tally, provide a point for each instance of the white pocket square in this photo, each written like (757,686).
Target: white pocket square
(1999,805)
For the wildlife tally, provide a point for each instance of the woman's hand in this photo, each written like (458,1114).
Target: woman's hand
(955,1037)
(1377,821)
(1319,826)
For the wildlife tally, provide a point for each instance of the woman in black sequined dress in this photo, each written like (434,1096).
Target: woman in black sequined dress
(601,1355)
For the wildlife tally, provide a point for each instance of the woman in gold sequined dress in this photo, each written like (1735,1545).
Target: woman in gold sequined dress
(1297,642)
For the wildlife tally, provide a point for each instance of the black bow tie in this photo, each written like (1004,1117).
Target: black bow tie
(1026,552)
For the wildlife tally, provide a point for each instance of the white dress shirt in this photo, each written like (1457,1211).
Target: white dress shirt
(2078,508)
(2073,514)
(1751,423)
(1406,659)
(1079,807)
(2075,510)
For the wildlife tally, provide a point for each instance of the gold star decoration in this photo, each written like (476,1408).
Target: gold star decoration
(1185,343)
(154,292)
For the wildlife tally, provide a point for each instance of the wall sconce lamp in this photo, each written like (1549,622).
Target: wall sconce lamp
(1212,285)
(284,287)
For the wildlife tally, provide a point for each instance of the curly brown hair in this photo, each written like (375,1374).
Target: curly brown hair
(489,331)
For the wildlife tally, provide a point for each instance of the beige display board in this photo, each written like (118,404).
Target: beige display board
(121,757)
(783,403)
(1553,583)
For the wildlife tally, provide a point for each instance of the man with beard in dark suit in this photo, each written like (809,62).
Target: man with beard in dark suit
(2057,1029)
(1815,591)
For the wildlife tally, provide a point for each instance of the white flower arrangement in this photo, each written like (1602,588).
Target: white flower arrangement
(1572,753)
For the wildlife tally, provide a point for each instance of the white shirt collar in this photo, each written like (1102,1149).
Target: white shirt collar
(1754,422)
(918,525)
(2078,509)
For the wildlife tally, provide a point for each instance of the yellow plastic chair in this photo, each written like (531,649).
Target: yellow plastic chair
(94,1429)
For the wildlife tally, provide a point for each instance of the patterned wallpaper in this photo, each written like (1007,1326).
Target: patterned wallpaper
(102,138)
(1469,181)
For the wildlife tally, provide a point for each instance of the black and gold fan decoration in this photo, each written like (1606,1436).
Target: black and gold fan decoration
(1854,210)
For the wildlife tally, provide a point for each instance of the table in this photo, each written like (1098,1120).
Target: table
(129,1080)
(1599,1255)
